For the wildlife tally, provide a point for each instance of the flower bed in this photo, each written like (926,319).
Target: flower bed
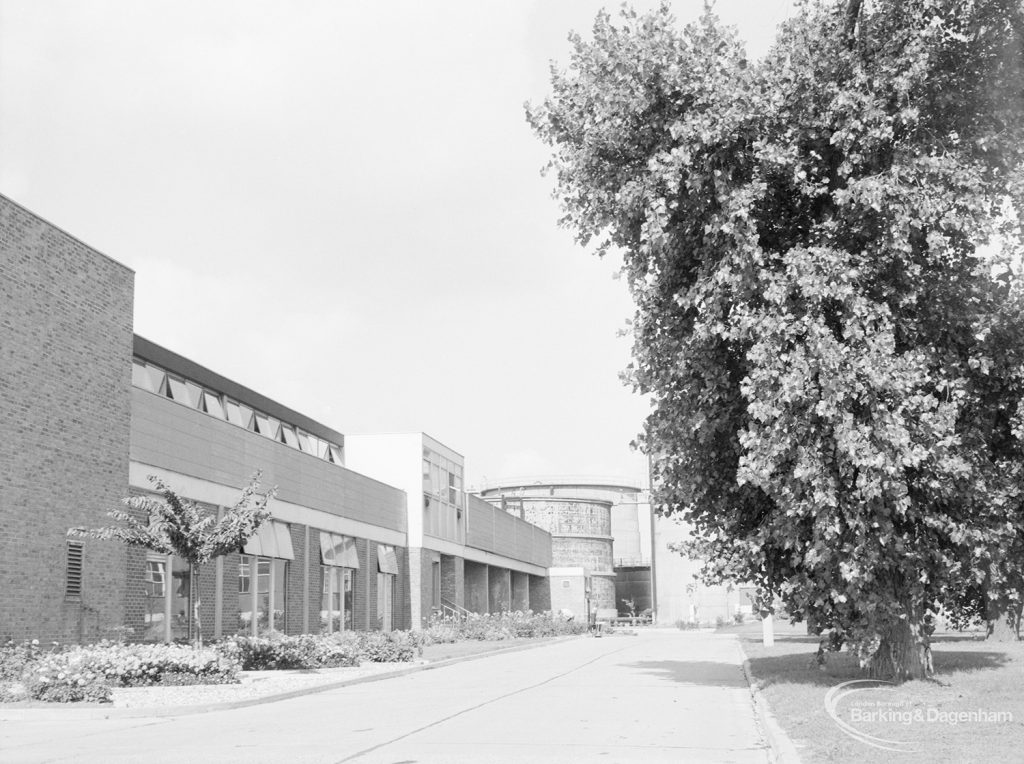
(310,651)
(87,673)
(75,673)
(278,651)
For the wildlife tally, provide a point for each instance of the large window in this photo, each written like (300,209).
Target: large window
(385,601)
(154,584)
(387,570)
(340,561)
(443,497)
(167,614)
(336,611)
(264,596)
(263,578)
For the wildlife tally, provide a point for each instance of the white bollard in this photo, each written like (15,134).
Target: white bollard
(767,631)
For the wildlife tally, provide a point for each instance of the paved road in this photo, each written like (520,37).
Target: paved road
(658,696)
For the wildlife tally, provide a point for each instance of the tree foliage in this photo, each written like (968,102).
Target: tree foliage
(177,526)
(821,248)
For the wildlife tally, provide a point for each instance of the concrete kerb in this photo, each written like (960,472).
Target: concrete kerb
(781,748)
(98,712)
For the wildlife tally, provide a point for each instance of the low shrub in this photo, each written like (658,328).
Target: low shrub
(87,673)
(390,646)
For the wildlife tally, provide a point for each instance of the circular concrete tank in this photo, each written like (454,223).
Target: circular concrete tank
(581,536)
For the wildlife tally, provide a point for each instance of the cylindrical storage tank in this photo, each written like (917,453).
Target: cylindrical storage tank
(581,536)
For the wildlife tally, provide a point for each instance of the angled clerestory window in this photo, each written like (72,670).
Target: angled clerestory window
(212,404)
(267,426)
(176,389)
(141,377)
(306,441)
(195,394)
(288,436)
(159,377)
(238,414)
(154,379)
(322,447)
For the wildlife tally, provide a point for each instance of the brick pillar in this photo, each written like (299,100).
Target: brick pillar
(404,595)
(229,620)
(476,587)
(540,594)
(314,583)
(296,603)
(453,579)
(207,590)
(520,590)
(499,589)
(361,586)
(414,582)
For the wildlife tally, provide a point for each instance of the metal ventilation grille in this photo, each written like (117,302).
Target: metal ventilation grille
(73,581)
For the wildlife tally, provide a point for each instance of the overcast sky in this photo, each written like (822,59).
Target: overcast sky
(339,204)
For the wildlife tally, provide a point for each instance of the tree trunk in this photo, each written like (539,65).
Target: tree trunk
(1004,624)
(904,651)
(198,641)
(850,25)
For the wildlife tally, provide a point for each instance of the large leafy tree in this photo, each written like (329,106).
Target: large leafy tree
(820,248)
(174,525)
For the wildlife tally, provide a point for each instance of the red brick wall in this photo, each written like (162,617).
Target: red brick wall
(65,352)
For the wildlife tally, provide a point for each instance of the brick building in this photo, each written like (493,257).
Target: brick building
(465,554)
(65,365)
(90,412)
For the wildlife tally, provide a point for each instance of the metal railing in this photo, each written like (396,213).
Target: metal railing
(636,483)
(450,609)
(632,562)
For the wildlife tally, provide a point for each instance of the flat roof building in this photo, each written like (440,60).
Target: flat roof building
(362,534)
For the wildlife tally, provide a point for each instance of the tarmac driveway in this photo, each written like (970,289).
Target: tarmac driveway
(662,695)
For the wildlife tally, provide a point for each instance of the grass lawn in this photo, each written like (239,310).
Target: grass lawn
(920,721)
